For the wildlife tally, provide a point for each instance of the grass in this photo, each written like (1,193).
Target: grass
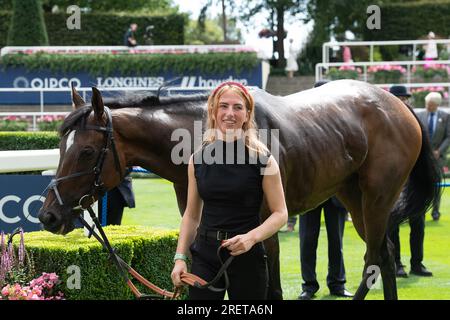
(157,207)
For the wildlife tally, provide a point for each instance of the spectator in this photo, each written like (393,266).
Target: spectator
(347,55)
(416,236)
(437,123)
(431,52)
(129,38)
(291,65)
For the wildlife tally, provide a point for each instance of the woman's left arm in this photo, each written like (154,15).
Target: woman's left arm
(273,192)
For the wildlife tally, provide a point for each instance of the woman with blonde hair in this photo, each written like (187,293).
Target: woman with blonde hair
(225,194)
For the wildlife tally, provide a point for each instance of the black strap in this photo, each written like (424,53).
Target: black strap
(222,272)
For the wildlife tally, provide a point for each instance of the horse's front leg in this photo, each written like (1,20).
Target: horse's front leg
(181,191)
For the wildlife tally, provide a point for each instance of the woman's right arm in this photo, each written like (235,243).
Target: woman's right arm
(189,223)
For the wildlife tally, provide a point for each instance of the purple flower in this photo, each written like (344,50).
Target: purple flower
(3,244)
(21,249)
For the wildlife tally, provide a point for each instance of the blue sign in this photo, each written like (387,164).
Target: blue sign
(21,78)
(21,197)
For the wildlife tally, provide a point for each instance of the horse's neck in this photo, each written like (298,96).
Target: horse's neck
(145,139)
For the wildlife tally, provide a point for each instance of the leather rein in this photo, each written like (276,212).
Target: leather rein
(86,202)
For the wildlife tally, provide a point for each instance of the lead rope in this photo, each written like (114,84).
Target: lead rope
(123,267)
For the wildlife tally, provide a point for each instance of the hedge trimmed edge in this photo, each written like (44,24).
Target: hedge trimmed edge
(28,140)
(149,251)
(132,64)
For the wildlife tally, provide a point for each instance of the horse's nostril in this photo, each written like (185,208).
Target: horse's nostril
(48,218)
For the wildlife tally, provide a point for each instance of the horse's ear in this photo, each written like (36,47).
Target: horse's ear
(97,103)
(77,100)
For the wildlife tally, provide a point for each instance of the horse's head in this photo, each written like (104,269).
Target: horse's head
(89,164)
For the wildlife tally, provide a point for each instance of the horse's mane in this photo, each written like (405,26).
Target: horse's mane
(148,100)
(132,100)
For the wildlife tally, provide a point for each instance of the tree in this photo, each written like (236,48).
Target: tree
(27,24)
(112,5)
(224,4)
(210,33)
(278,10)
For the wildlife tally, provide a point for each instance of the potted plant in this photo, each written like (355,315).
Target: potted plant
(344,72)
(386,73)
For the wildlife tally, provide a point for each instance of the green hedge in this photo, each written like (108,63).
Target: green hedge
(139,64)
(147,250)
(28,140)
(27,25)
(411,20)
(105,29)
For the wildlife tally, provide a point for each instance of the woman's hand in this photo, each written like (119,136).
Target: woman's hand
(179,268)
(239,244)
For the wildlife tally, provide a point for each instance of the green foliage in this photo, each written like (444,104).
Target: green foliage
(211,33)
(148,251)
(106,29)
(344,73)
(27,24)
(102,5)
(50,126)
(411,20)
(138,64)
(13,125)
(28,140)
(433,71)
(113,5)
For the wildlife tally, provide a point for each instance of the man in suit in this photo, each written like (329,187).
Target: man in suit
(335,216)
(437,123)
(417,234)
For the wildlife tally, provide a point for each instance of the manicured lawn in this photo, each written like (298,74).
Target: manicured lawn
(156,206)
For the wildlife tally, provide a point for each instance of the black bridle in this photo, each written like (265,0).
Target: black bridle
(98,186)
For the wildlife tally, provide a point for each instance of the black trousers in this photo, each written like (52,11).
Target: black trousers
(115,206)
(309,235)
(248,273)
(416,237)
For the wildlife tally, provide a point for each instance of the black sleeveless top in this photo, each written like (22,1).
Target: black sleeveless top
(229,180)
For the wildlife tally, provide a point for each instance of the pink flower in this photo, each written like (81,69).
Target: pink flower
(5,290)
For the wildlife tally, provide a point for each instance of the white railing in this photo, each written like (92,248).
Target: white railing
(371,44)
(175,49)
(321,67)
(28,160)
(407,77)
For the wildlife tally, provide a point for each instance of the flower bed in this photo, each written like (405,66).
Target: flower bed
(17,272)
(386,73)
(13,123)
(419,94)
(432,72)
(147,250)
(344,72)
(50,123)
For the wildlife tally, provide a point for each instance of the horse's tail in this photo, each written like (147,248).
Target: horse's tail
(422,186)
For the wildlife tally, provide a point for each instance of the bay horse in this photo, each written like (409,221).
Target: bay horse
(345,138)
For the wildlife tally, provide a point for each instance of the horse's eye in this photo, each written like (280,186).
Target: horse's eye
(87,152)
